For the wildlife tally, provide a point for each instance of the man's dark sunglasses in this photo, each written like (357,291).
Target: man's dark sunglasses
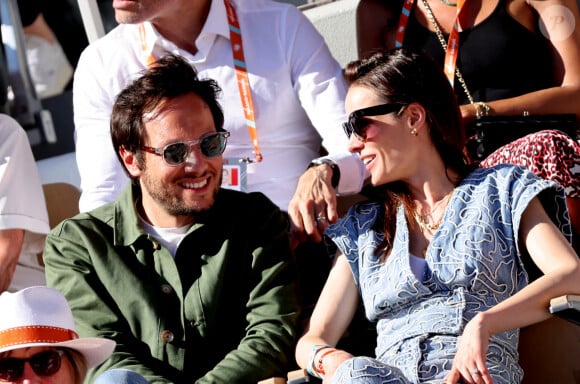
(211,145)
(44,363)
(356,123)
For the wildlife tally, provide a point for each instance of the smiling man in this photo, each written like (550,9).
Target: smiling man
(192,281)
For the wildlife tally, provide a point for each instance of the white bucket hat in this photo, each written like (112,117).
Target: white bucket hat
(41,317)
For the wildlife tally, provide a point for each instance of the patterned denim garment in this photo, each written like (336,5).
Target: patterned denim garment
(472,263)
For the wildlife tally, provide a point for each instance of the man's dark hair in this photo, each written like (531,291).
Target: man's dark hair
(169,77)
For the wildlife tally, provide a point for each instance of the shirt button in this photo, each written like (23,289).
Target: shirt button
(167,336)
(166,289)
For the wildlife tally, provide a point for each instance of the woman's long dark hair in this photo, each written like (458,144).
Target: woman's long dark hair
(401,76)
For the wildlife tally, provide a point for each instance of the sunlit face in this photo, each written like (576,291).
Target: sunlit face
(388,145)
(64,375)
(172,195)
(138,11)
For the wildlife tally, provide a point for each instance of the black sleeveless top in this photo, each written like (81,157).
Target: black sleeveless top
(498,58)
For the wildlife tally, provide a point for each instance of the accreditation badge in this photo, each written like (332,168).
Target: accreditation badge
(234,174)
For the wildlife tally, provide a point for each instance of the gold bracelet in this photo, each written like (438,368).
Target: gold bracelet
(481,109)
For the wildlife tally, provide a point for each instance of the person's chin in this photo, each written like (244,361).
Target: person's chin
(201,203)
(127,15)
(203,206)
(196,208)
(376,180)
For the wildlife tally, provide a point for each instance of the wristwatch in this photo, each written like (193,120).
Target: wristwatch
(333,166)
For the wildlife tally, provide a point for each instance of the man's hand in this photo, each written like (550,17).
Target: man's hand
(313,206)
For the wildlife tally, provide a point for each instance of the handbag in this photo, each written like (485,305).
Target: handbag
(492,132)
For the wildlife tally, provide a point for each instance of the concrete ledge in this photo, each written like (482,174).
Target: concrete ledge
(336,22)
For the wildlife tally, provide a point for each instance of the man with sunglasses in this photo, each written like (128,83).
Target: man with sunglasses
(193,282)
(283,92)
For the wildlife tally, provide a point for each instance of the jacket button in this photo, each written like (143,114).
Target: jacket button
(166,289)
(167,336)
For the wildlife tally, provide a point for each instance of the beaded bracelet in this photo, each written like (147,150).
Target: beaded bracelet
(319,366)
(311,367)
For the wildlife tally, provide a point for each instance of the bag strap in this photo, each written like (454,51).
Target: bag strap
(441,39)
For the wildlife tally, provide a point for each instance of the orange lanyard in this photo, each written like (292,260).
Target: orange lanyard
(452,50)
(149,58)
(403,19)
(241,74)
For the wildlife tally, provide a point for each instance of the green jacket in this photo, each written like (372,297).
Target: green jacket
(223,311)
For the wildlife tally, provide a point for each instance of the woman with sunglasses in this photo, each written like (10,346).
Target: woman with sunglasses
(39,343)
(440,255)
(514,57)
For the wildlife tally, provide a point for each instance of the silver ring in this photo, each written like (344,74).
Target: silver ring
(321,218)
(474,371)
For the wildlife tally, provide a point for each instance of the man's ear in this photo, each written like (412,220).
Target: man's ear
(130,162)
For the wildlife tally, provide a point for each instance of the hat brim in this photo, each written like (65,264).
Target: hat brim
(95,350)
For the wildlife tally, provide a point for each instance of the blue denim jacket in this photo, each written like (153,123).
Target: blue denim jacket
(472,263)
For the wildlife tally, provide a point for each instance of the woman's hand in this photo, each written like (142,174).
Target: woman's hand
(469,364)
(331,362)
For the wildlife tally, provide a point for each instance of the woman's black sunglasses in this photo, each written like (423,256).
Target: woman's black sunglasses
(44,363)
(356,123)
(211,145)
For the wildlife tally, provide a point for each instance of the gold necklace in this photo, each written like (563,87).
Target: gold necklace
(433,225)
(425,225)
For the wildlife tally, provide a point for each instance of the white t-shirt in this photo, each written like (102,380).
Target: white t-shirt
(22,203)
(168,237)
(297,87)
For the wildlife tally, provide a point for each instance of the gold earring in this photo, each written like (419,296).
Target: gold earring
(414,132)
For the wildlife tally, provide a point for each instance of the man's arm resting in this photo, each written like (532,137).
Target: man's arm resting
(314,205)
(352,173)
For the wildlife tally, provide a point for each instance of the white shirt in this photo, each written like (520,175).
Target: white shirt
(22,204)
(170,238)
(297,87)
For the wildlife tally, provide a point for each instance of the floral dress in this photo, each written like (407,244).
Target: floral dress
(472,263)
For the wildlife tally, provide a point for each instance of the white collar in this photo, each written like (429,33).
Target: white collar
(215,24)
